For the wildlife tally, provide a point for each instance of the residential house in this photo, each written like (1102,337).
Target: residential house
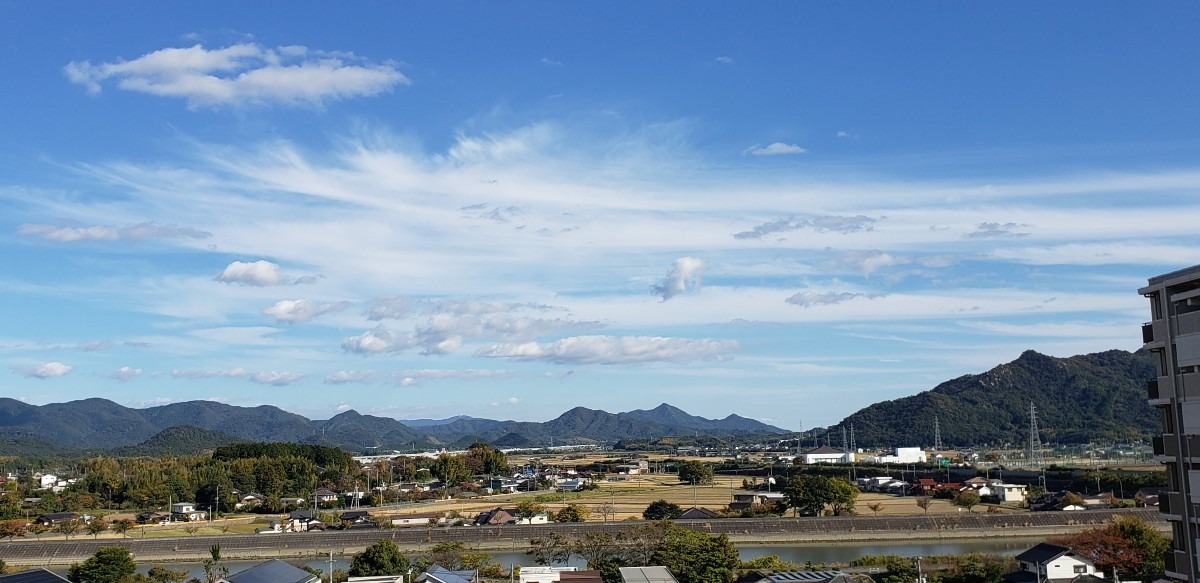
(504,485)
(356,518)
(303,521)
(45,480)
(56,517)
(903,455)
(647,575)
(496,516)
(187,512)
(325,496)
(272,571)
(34,575)
(695,513)
(248,501)
(1047,563)
(805,576)
(440,574)
(293,502)
(572,485)
(744,500)
(421,519)
(544,574)
(1147,497)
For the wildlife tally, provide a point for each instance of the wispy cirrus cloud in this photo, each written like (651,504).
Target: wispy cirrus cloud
(242,74)
(71,234)
(273,378)
(342,377)
(414,377)
(808,299)
(47,370)
(300,311)
(614,350)
(996,230)
(774,149)
(819,223)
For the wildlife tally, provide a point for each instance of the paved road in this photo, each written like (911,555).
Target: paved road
(789,530)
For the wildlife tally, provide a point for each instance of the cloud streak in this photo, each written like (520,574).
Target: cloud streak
(61,234)
(242,74)
(613,350)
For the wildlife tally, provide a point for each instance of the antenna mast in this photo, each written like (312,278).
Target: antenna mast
(937,435)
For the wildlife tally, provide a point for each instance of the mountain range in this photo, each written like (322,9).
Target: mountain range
(102,424)
(1077,399)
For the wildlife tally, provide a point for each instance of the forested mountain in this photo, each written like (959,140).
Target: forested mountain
(1078,399)
(99,424)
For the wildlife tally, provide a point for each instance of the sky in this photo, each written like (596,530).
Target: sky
(782,210)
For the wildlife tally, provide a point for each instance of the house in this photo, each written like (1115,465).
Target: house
(303,521)
(805,576)
(744,500)
(272,571)
(1147,497)
(580,577)
(695,513)
(903,455)
(504,485)
(325,496)
(248,501)
(186,512)
(571,485)
(45,480)
(293,502)
(827,455)
(422,519)
(647,575)
(1047,563)
(34,575)
(1008,492)
(496,516)
(56,518)
(439,574)
(356,518)
(544,574)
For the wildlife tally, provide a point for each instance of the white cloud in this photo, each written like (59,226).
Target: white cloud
(242,74)
(614,350)
(684,275)
(260,377)
(413,377)
(259,274)
(996,230)
(342,377)
(549,61)
(807,299)
(393,307)
(298,311)
(819,223)
(377,341)
(126,373)
(44,371)
(846,135)
(773,149)
(724,60)
(277,379)
(62,234)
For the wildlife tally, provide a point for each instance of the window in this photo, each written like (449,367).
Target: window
(1081,568)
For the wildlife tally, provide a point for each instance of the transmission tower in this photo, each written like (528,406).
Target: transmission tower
(853,447)
(1035,442)
(845,443)
(937,435)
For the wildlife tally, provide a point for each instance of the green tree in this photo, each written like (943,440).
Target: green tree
(214,570)
(809,494)
(12,528)
(549,549)
(598,548)
(695,557)
(160,574)
(843,497)
(450,469)
(68,527)
(527,509)
(381,558)
(662,510)
(967,499)
(491,461)
(108,565)
(1127,544)
(96,526)
(122,526)
(573,513)
(695,472)
(899,570)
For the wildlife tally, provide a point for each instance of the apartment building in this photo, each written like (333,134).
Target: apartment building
(1173,337)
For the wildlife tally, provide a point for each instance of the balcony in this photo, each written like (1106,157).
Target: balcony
(1152,389)
(1147,333)
(1171,503)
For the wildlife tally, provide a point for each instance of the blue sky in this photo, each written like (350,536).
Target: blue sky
(782,210)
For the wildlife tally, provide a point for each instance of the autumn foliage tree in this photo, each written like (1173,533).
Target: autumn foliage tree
(1128,544)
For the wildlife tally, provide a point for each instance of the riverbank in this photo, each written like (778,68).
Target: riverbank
(772,531)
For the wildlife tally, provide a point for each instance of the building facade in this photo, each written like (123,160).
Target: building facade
(1173,337)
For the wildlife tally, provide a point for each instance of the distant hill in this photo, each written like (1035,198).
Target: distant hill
(194,426)
(1082,398)
(428,422)
(176,441)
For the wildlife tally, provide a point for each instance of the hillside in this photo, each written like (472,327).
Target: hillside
(1082,398)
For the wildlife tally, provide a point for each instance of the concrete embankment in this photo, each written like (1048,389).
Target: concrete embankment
(775,531)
